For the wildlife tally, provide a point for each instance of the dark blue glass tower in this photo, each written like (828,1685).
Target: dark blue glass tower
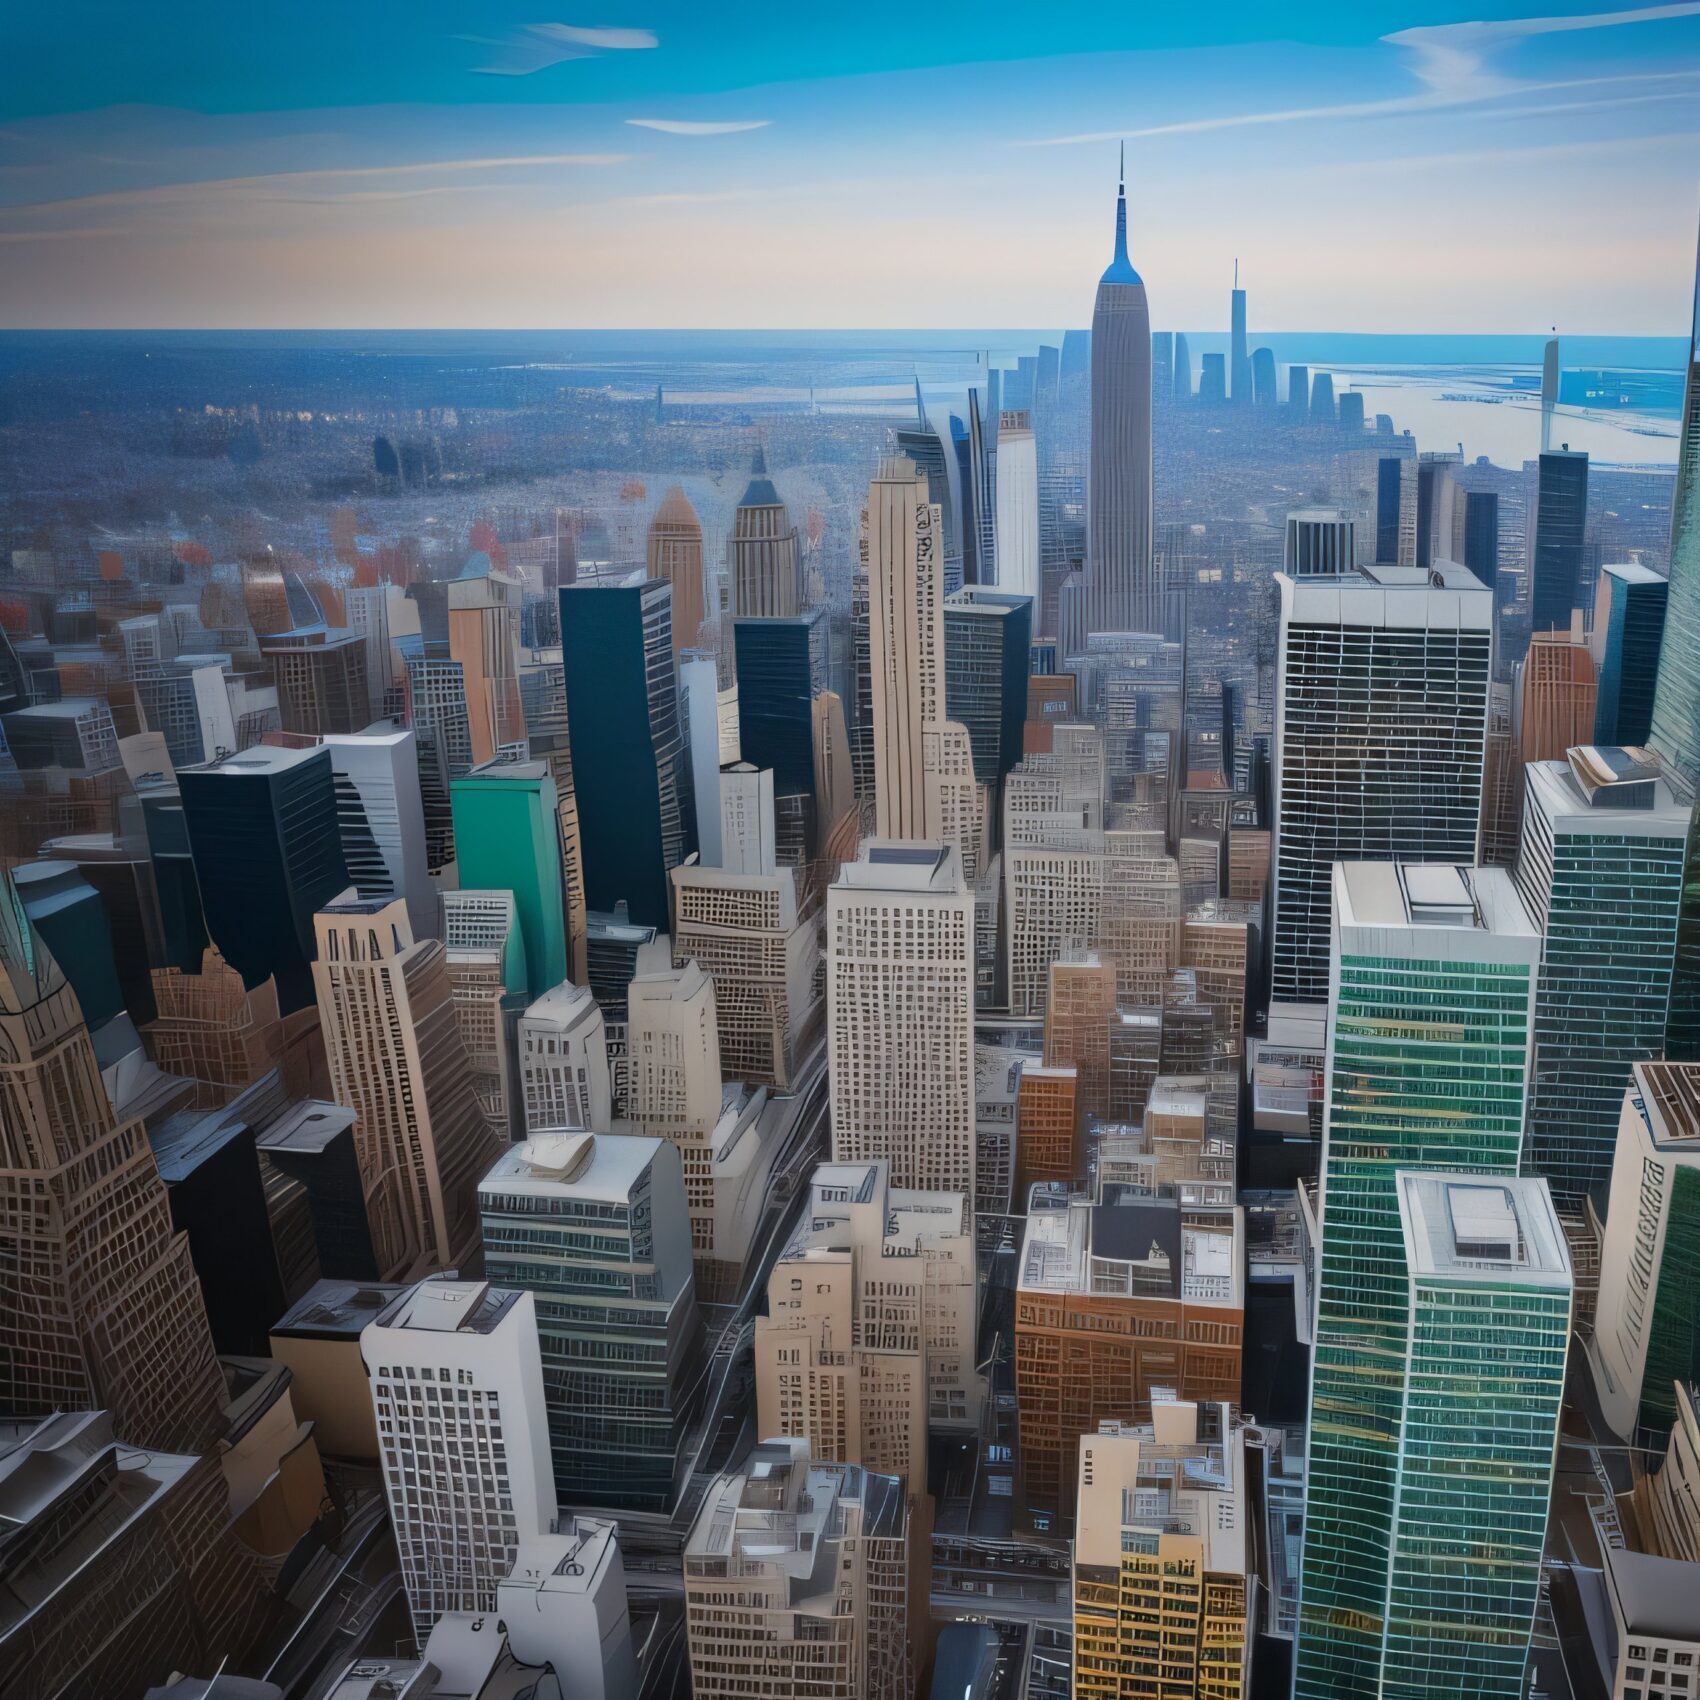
(987,656)
(263,830)
(1481,536)
(1561,512)
(1388,483)
(631,767)
(1629,664)
(782,665)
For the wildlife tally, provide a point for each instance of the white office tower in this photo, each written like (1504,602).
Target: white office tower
(903,559)
(1319,543)
(957,803)
(796,1581)
(381,819)
(564,1606)
(1017,553)
(745,932)
(368,610)
(748,841)
(699,686)
(1380,737)
(485,952)
(900,1015)
(456,1372)
(1644,1339)
(563,1062)
(870,1328)
(674,1090)
(215,712)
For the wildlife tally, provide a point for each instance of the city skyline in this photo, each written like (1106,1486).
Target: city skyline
(255,180)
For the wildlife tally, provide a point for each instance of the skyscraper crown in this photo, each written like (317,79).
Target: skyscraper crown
(1120,268)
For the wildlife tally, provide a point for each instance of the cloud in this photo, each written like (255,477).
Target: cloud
(689,127)
(1451,61)
(536,47)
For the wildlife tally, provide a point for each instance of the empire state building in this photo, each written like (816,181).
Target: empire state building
(1120,593)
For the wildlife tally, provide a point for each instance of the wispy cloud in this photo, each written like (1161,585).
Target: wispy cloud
(536,47)
(288,184)
(1451,61)
(691,127)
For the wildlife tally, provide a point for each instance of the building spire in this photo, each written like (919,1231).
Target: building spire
(1121,268)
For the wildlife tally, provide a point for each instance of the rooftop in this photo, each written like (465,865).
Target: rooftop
(1668,1095)
(899,865)
(1657,1596)
(1431,896)
(439,1305)
(602,1166)
(1470,1227)
(308,1127)
(337,1309)
(1603,788)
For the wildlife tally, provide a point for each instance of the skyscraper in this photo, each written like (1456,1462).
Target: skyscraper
(99,1305)
(263,830)
(987,634)
(1483,1343)
(1380,734)
(1431,1014)
(1120,593)
(765,565)
(900,1015)
(1263,377)
(1600,870)
(593,1226)
(906,595)
(483,616)
(321,680)
(675,554)
(381,813)
(934,452)
(508,838)
(1320,543)
(386,1008)
(1239,359)
(1635,600)
(1017,506)
(563,1062)
(1183,368)
(457,1387)
(1556,528)
(631,762)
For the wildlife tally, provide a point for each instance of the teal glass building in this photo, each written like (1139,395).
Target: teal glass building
(1432,986)
(1487,1329)
(595,1225)
(1599,867)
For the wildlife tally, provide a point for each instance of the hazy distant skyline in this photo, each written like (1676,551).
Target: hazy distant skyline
(1375,167)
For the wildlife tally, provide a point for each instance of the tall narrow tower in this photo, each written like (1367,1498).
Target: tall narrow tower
(1120,595)
(1239,359)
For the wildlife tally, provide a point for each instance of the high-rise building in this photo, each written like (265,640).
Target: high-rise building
(120,1564)
(1554,707)
(748,833)
(1481,1347)
(263,829)
(934,452)
(1396,510)
(745,931)
(900,1015)
(1183,368)
(1079,1011)
(1213,379)
(1239,358)
(1162,1547)
(381,818)
(456,1374)
(987,636)
(907,658)
(1431,1015)
(563,1062)
(1479,549)
(1017,506)
(1115,1303)
(99,1305)
(870,1328)
(1319,543)
(1263,380)
(1626,646)
(1322,408)
(1600,871)
(386,1007)
(631,763)
(797,1581)
(321,680)
(765,566)
(485,952)
(507,838)
(675,554)
(1644,1342)
(436,701)
(483,616)
(1298,392)
(1556,529)
(1162,363)
(782,664)
(1121,595)
(593,1225)
(1380,733)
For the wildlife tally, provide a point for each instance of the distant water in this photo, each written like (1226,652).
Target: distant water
(1444,389)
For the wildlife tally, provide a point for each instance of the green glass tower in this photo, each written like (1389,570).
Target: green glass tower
(1487,1327)
(1676,698)
(508,838)
(1431,1004)
(1599,867)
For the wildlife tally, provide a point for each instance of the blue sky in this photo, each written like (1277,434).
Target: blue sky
(1376,166)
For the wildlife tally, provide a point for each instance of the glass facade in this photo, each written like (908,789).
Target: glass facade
(1673,1341)
(1560,519)
(987,637)
(1428,1062)
(1482,1396)
(1607,904)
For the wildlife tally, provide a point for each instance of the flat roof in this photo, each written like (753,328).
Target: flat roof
(1475,1227)
(1658,1597)
(602,1166)
(257,759)
(900,865)
(1626,796)
(337,1309)
(308,1126)
(1432,897)
(451,1307)
(1670,1103)
(1633,572)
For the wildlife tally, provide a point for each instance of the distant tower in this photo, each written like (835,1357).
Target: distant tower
(766,573)
(1557,525)
(1263,376)
(1549,391)
(1120,595)
(1240,372)
(675,554)
(1183,367)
